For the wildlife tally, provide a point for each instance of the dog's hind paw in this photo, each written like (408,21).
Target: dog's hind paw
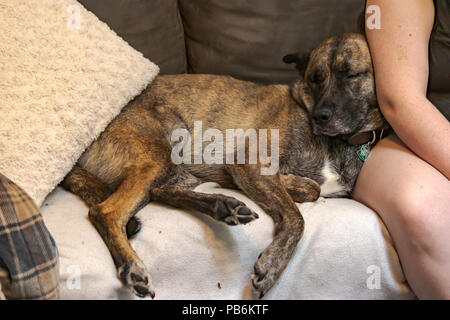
(234,212)
(264,276)
(135,276)
(133,227)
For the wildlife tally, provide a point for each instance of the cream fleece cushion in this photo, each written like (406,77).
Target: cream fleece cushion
(64,75)
(345,253)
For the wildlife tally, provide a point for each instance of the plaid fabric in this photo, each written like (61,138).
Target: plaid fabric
(28,254)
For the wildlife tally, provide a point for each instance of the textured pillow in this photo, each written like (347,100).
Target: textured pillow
(142,23)
(64,75)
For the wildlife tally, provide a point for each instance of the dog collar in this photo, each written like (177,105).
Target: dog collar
(370,137)
(365,140)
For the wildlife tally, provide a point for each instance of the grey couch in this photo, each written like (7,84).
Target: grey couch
(242,38)
(346,251)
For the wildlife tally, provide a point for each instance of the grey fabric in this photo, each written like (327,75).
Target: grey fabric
(439,81)
(151,26)
(248,39)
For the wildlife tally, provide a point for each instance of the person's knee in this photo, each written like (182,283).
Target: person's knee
(417,208)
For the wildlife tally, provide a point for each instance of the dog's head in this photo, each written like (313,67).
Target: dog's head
(337,86)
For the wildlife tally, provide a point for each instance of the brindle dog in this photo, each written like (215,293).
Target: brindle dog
(130,163)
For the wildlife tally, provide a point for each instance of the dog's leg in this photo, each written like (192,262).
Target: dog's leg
(86,185)
(301,189)
(268,192)
(93,191)
(111,216)
(218,206)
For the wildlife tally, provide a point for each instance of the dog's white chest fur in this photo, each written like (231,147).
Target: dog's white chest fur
(331,185)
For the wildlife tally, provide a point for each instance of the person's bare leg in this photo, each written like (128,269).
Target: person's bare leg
(413,199)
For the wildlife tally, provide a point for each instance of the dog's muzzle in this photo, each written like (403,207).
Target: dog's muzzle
(322,116)
(321,119)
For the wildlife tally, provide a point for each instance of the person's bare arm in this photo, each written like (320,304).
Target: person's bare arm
(400,57)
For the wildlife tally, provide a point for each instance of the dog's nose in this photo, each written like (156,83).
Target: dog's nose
(322,116)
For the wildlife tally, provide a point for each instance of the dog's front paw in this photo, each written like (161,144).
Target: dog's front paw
(301,189)
(234,212)
(134,275)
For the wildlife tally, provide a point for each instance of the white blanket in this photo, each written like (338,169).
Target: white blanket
(345,253)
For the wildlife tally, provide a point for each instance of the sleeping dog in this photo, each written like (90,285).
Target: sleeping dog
(323,121)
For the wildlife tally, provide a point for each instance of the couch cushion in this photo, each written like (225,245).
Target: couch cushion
(152,27)
(248,39)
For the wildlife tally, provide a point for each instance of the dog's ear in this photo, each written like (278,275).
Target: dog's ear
(300,60)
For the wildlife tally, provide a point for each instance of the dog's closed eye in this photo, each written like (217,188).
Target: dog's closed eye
(355,75)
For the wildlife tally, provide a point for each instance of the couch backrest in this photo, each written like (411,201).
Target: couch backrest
(153,27)
(246,39)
